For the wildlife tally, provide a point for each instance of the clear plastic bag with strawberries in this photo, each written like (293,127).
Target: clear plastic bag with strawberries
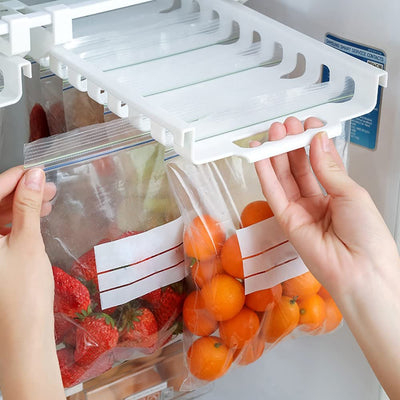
(248,287)
(114,238)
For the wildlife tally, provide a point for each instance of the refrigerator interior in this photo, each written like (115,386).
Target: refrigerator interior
(329,366)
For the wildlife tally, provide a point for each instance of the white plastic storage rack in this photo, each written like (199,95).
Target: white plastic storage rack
(202,75)
(17,23)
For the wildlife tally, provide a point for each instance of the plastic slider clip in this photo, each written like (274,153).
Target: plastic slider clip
(116,106)
(160,134)
(18,35)
(96,93)
(61,23)
(77,80)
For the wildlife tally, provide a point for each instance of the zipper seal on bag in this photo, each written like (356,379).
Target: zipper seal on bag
(83,144)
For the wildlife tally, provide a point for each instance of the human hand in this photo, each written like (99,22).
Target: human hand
(8,182)
(342,239)
(340,236)
(28,362)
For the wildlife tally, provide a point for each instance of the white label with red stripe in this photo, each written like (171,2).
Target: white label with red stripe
(268,257)
(133,266)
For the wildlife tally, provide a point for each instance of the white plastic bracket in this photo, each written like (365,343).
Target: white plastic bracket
(61,18)
(18,41)
(58,67)
(116,106)
(11,68)
(76,79)
(96,93)
(160,134)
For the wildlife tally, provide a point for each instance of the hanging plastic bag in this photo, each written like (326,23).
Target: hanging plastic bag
(80,109)
(109,115)
(52,101)
(114,238)
(44,103)
(249,289)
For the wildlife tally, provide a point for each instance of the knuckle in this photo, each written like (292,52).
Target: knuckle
(362,192)
(27,204)
(333,166)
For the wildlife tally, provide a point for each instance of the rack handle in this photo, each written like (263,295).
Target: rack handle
(288,143)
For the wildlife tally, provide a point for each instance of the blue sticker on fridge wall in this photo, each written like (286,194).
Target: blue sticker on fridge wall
(364,129)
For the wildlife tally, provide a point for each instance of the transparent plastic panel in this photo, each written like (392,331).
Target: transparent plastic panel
(142,33)
(214,110)
(204,75)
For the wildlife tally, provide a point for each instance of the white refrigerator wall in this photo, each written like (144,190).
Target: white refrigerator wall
(332,367)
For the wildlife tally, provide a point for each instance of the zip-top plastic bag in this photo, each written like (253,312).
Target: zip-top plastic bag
(114,238)
(248,287)
(80,110)
(44,101)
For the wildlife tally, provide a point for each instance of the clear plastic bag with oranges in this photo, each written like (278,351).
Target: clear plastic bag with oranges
(249,289)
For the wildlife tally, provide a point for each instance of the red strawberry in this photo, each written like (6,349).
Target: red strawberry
(71,373)
(70,337)
(169,307)
(101,365)
(64,329)
(38,125)
(85,269)
(96,334)
(138,328)
(153,297)
(71,296)
(96,303)
(85,266)
(61,327)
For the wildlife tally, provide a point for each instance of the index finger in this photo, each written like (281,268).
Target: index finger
(9,180)
(271,186)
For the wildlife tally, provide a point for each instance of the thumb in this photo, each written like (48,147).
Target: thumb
(27,204)
(328,167)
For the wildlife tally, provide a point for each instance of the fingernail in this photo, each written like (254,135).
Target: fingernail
(254,143)
(34,179)
(324,142)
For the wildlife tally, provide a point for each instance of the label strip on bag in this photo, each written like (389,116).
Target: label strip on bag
(132,273)
(259,237)
(268,257)
(133,266)
(136,248)
(122,295)
(272,277)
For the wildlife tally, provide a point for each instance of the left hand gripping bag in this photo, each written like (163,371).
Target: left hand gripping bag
(114,238)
